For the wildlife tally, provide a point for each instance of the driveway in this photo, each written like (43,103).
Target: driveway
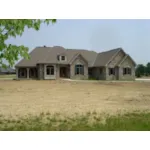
(142,79)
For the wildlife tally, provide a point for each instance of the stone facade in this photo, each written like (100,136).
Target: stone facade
(79,60)
(98,73)
(127,63)
(113,64)
(40,68)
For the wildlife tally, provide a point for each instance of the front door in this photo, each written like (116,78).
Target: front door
(63,72)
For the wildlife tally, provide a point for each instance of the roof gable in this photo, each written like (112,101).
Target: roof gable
(77,56)
(104,57)
(127,56)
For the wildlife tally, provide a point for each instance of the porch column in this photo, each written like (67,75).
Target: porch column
(17,75)
(28,73)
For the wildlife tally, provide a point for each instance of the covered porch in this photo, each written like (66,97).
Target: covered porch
(27,73)
(64,71)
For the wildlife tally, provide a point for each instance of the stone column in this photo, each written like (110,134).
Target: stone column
(17,75)
(27,73)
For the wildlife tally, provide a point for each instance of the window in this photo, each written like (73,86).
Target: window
(50,70)
(62,57)
(47,71)
(79,69)
(111,71)
(127,71)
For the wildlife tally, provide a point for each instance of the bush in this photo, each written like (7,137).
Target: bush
(138,75)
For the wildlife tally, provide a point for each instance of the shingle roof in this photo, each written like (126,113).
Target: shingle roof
(41,55)
(88,55)
(49,55)
(3,70)
(103,57)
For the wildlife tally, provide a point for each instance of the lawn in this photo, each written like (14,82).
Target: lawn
(87,122)
(8,76)
(32,105)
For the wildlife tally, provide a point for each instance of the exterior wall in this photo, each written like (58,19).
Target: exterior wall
(116,59)
(79,60)
(113,64)
(42,72)
(57,71)
(97,74)
(127,63)
(40,68)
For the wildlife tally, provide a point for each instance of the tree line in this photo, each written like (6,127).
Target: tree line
(142,70)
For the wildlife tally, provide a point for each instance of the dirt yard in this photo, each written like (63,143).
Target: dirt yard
(34,97)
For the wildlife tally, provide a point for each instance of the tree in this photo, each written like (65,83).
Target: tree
(12,28)
(148,68)
(140,70)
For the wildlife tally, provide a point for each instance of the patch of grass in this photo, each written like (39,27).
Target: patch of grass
(92,78)
(8,76)
(88,122)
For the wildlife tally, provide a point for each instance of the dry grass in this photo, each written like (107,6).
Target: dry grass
(64,97)
(8,76)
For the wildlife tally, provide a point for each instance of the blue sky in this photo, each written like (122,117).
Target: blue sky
(98,35)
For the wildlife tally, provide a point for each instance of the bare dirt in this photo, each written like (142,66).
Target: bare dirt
(64,97)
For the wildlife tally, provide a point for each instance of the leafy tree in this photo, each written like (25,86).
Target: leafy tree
(148,68)
(12,28)
(140,70)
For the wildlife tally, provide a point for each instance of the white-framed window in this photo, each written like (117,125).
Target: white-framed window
(50,70)
(126,71)
(79,69)
(63,58)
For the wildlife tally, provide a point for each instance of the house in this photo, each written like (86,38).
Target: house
(7,71)
(58,62)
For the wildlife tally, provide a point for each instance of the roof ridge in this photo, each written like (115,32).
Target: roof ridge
(95,60)
(82,50)
(119,48)
(74,56)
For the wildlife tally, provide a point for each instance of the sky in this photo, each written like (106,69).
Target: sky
(98,35)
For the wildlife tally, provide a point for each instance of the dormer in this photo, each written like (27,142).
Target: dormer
(61,58)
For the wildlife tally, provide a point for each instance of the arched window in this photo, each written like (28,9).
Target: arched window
(50,70)
(79,69)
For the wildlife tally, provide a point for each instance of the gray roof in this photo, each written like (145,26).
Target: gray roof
(3,70)
(90,56)
(104,57)
(49,55)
